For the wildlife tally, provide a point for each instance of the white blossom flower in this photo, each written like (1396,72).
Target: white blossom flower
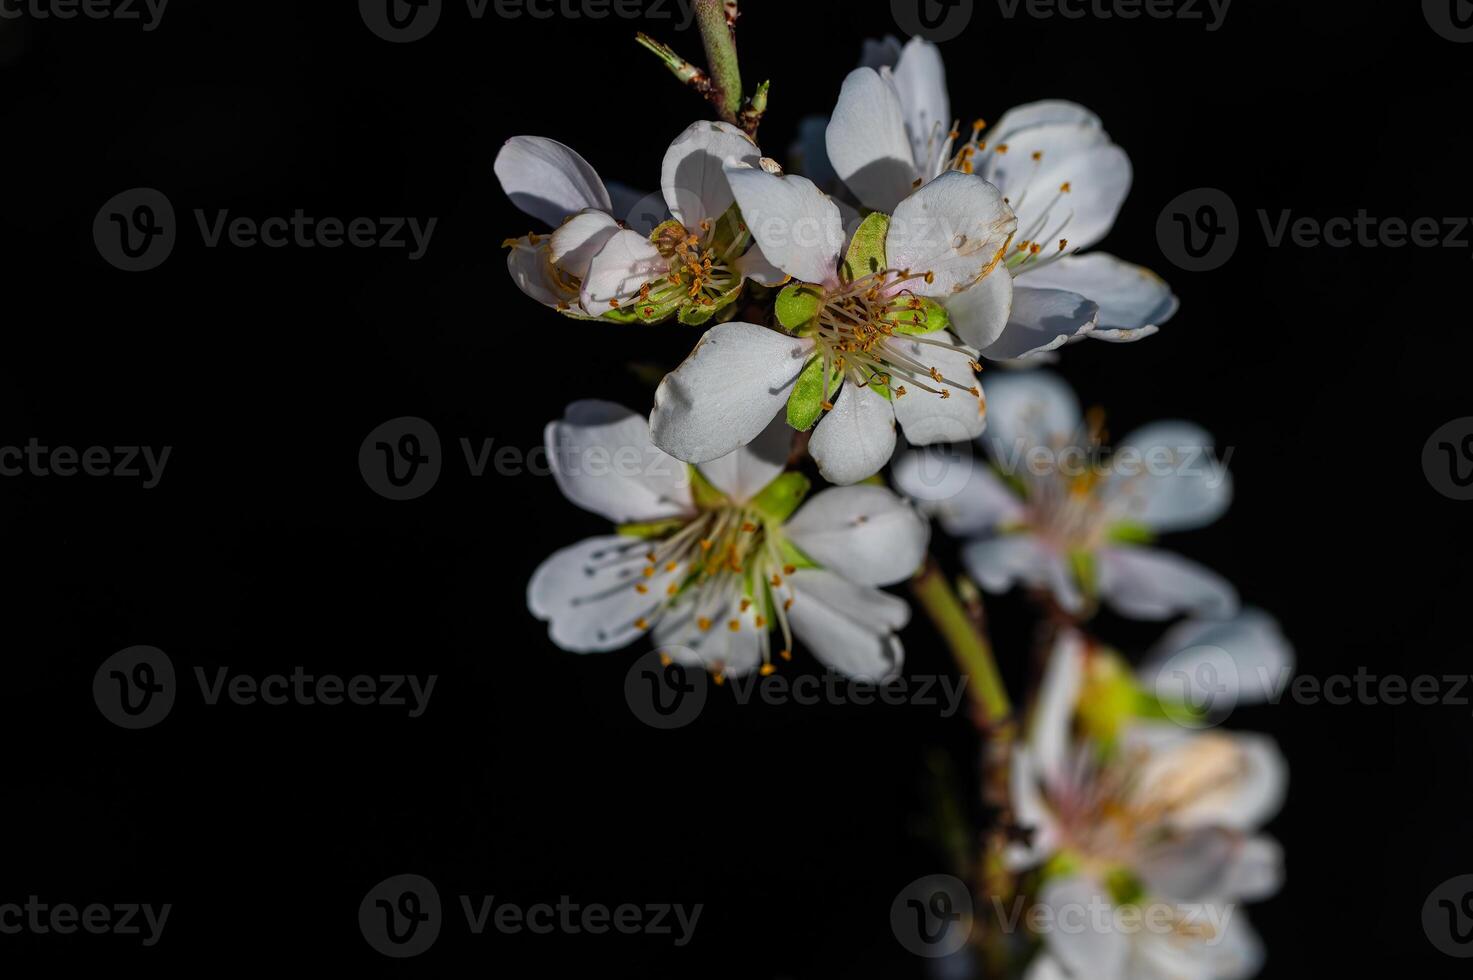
(712,561)
(1160,818)
(860,353)
(1055,515)
(1056,167)
(693,264)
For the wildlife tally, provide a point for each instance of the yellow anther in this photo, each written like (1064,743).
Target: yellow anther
(1037,155)
(900,392)
(945,392)
(1064,187)
(641,588)
(787,604)
(649,572)
(734,625)
(706,544)
(746,604)
(789,569)
(665,660)
(760,621)
(1002,148)
(786,654)
(672,566)
(826,406)
(641,623)
(936,375)
(748,526)
(766,670)
(1063,244)
(703,623)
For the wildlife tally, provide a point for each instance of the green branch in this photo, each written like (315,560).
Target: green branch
(968,645)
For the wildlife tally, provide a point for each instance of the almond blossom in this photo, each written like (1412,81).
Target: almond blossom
(715,562)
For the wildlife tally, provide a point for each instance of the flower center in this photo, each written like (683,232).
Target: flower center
(700,268)
(857,337)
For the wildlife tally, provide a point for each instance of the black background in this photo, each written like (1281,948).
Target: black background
(262,548)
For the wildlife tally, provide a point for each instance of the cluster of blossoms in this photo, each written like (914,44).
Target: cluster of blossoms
(837,310)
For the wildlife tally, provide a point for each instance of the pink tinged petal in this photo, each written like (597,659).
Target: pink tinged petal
(867,143)
(531,269)
(727,391)
(865,533)
(1131,297)
(849,628)
(1146,583)
(795,224)
(1001,562)
(1042,320)
(1096,171)
(857,438)
(963,493)
(742,473)
(1082,938)
(1170,476)
(980,312)
(627,261)
(1027,409)
(1258,654)
(603,460)
(920,80)
(926,418)
(586,594)
(548,180)
(579,239)
(691,176)
(955,227)
(755,265)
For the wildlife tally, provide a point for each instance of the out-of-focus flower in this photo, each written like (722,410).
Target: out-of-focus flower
(868,345)
(712,561)
(1056,515)
(692,265)
(892,130)
(1160,819)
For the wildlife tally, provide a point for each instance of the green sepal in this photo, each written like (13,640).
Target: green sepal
(1108,700)
(797,306)
(1124,887)
(1129,532)
(704,492)
(933,317)
(866,253)
(1061,865)
(697,314)
(791,555)
(1086,571)
(651,529)
(777,501)
(805,402)
(731,231)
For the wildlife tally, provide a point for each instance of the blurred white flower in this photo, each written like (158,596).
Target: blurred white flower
(712,562)
(1055,515)
(1160,819)
(892,130)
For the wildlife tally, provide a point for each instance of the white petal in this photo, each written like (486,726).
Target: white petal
(980,312)
(627,261)
(1027,409)
(586,594)
(1042,320)
(1231,780)
(998,563)
(796,225)
(963,493)
(1096,171)
(926,418)
(857,438)
(880,52)
(742,473)
(531,269)
(1260,656)
(1149,584)
(1051,733)
(603,460)
(754,264)
(1130,297)
(732,652)
(955,227)
(867,142)
(1031,811)
(692,177)
(579,239)
(847,627)
(920,80)
(1085,946)
(865,533)
(1045,967)
(1256,871)
(1188,866)
(727,391)
(548,180)
(1040,113)
(1169,475)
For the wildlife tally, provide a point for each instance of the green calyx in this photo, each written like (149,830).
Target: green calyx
(777,501)
(805,402)
(866,254)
